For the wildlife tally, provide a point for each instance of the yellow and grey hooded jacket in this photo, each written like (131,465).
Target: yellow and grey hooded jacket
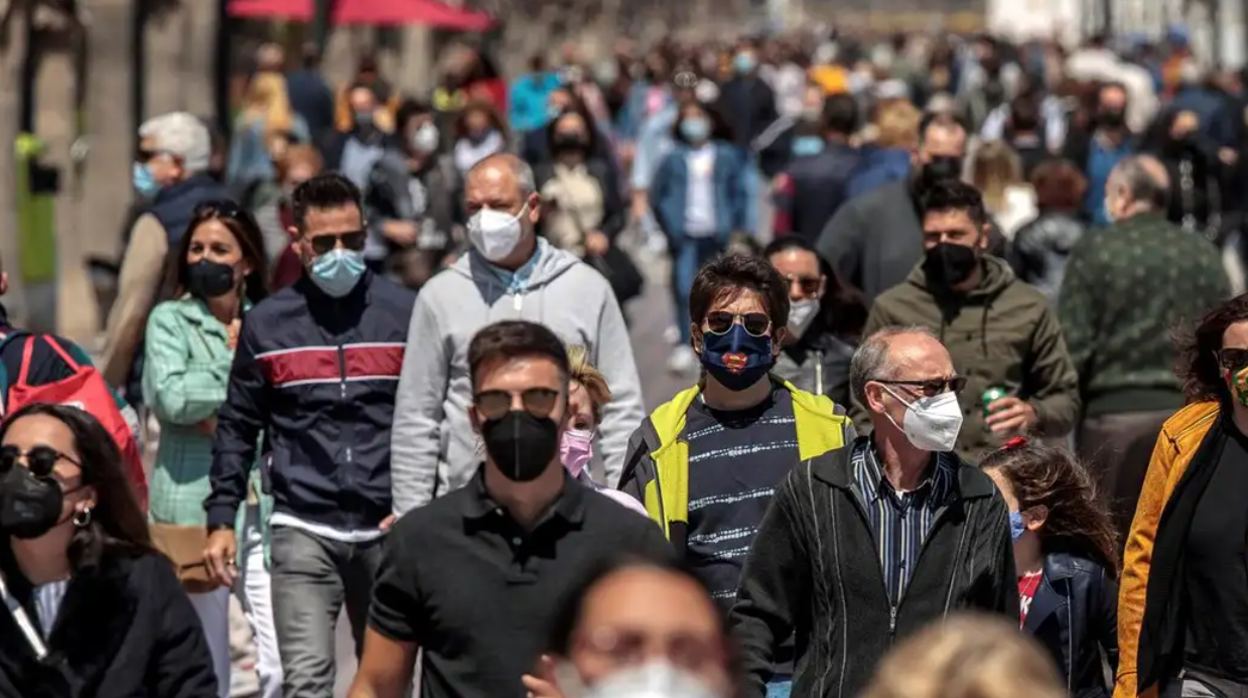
(656,467)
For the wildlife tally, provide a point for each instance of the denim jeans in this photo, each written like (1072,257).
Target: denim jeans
(688,256)
(312,577)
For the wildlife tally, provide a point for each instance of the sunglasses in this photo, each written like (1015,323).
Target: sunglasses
(213,209)
(808,284)
(39,460)
(1233,359)
(324,244)
(495,404)
(755,324)
(933,386)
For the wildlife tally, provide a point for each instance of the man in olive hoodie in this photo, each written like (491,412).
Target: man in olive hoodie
(1002,335)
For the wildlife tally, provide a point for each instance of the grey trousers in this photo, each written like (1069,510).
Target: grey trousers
(1117,448)
(312,578)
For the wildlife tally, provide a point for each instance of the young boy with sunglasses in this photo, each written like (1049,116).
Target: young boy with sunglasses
(706,463)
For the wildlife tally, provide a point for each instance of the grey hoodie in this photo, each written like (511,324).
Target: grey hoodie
(433,447)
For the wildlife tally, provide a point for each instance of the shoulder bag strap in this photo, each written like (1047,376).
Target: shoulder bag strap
(23,622)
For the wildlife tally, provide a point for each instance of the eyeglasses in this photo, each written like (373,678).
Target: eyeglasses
(495,404)
(1233,359)
(353,240)
(755,324)
(629,648)
(933,386)
(39,460)
(808,284)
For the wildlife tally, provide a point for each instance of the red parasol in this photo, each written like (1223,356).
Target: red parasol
(431,13)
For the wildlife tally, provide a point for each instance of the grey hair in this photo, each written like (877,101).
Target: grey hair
(182,135)
(519,168)
(1145,180)
(870,361)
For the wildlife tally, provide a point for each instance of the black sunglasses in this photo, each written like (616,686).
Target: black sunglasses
(213,209)
(755,324)
(324,244)
(1233,359)
(495,404)
(933,386)
(39,460)
(808,284)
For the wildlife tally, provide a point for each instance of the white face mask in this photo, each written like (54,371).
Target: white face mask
(931,423)
(425,140)
(495,234)
(654,679)
(801,314)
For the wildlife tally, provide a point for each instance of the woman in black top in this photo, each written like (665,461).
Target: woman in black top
(97,611)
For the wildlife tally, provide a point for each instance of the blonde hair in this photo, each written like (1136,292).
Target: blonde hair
(897,126)
(994,168)
(967,656)
(268,100)
(583,372)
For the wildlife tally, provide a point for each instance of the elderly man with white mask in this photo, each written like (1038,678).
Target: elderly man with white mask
(510,273)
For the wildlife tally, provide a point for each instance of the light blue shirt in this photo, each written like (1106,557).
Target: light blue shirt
(517,281)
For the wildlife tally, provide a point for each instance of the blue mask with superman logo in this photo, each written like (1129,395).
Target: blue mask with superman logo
(736,358)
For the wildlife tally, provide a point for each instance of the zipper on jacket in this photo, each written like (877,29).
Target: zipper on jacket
(892,623)
(342,384)
(819,372)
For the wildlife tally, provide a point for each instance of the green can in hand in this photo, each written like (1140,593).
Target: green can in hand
(990,396)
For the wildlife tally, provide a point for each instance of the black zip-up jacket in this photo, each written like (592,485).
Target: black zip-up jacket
(813,570)
(317,376)
(1074,614)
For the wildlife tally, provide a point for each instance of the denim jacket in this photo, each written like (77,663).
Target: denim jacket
(670,189)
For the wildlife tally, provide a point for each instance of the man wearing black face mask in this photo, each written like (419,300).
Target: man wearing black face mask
(467,577)
(1000,331)
(1098,151)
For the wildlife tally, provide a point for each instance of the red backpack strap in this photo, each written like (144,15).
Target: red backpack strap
(28,351)
(56,347)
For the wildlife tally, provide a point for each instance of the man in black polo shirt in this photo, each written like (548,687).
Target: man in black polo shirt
(473,578)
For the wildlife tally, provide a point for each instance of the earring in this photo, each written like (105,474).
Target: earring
(82,518)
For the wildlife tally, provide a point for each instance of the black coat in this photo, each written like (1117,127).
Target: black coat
(1075,615)
(813,571)
(125,629)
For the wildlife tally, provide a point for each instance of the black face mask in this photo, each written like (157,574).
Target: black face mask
(521,445)
(30,506)
(1111,118)
(208,279)
(940,169)
(946,265)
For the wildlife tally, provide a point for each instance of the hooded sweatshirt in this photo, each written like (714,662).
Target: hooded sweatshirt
(433,447)
(1003,334)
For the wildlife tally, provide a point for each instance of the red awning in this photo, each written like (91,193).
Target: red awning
(430,13)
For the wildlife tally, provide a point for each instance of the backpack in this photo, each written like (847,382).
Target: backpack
(85,389)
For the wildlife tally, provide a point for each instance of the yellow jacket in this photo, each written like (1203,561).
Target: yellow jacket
(1179,441)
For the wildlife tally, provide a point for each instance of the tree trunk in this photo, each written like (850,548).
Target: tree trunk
(10,110)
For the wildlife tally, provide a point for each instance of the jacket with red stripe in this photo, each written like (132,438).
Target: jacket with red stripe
(317,377)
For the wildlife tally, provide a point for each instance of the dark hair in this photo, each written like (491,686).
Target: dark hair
(408,109)
(953,195)
(1198,366)
(840,114)
(591,130)
(242,225)
(1024,115)
(841,309)
(117,522)
(511,339)
(733,272)
(1059,185)
(1078,519)
(567,616)
(326,190)
(459,128)
(720,130)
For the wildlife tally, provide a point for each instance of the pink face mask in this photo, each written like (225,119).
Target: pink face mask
(575,449)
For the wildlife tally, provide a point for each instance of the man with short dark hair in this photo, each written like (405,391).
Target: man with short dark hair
(1125,290)
(865,545)
(1001,332)
(315,374)
(470,578)
(706,463)
(812,189)
(1098,151)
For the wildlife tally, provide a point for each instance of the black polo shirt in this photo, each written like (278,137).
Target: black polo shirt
(466,583)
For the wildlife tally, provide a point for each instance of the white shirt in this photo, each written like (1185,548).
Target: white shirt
(700,197)
(48,598)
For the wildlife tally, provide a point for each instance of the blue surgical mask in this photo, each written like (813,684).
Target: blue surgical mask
(744,62)
(696,129)
(1017,526)
(805,146)
(338,271)
(736,358)
(144,183)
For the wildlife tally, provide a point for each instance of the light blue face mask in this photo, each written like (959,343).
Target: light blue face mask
(144,183)
(805,146)
(744,62)
(338,271)
(1017,526)
(695,129)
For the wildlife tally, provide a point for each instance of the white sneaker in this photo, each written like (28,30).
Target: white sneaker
(682,360)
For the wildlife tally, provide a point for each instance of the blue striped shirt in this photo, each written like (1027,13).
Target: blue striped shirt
(900,522)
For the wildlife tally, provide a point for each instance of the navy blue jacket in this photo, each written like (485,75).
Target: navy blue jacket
(1074,614)
(317,377)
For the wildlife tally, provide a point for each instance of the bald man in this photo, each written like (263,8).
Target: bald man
(1125,289)
(510,273)
(853,532)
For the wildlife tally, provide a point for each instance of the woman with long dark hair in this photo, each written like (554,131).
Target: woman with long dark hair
(1183,608)
(1066,553)
(89,602)
(220,270)
(585,210)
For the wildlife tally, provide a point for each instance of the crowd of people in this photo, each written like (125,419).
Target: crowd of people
(957,321)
